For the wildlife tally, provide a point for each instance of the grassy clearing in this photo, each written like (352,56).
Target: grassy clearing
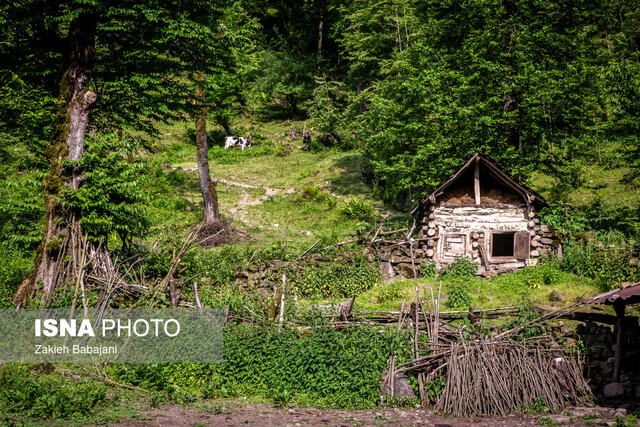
(534,283)
(275,191)
(600,183)
(286,197)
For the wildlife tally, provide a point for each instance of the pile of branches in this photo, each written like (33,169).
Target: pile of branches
(490,375)
(501,376)
(485,373)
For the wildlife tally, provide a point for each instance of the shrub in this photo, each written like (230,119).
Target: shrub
(357,209)
(48,397)
(463,266)
(389,292)
(458,295)
(609,265)
(310,192)
(323,368)
(428,268)
(544,274)
(344,276)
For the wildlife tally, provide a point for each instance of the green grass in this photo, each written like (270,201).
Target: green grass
(260,191)
(500,291)
(600,183)
(301,197)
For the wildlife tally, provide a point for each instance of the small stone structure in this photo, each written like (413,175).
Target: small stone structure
(600,344)
(483,212)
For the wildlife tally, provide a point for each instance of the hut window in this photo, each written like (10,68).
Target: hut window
(502,244)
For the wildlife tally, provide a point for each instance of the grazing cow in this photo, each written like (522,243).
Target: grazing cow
(237,141)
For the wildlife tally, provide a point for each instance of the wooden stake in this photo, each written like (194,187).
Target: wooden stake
(284,285)
(619,307)
(476,182)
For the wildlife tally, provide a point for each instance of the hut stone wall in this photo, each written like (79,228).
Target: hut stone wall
(500,238)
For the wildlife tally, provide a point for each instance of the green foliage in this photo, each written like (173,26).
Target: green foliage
(21,210)
(47,397)
(526,314)
(13,269)
(428,268)
(286,78)
(310,192)
(389,292)
(544,274)
(462,266)
(458,295)
(609,265)
(626,421)
(111,198)
(326,367)
(565,218)
(326,106)
(539,406)
(282,398)
(357,209)
(345,277)
(546,421)
(235,155)
(434,388)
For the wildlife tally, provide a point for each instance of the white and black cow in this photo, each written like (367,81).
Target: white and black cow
(237,141)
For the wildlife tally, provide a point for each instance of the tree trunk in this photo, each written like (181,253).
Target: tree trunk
(320,25)
(57,254)
(207,185)
(362,107)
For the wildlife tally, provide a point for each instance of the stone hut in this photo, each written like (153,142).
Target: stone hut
(483,212)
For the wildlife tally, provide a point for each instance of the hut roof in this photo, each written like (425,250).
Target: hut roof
(529,195)
(628,293)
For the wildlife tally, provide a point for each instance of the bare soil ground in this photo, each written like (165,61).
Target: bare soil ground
(233,413)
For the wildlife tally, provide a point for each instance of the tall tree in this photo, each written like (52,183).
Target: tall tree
(207,185)
(121,65)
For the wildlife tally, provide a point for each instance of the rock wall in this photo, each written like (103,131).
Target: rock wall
(395,261)
(600,344)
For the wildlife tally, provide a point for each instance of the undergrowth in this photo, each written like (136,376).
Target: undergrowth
(49,397)
(323,367)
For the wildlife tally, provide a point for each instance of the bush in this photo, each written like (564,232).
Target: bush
(345,276)
(428,268)
(323,368)
(13,270)
(458,295)
(463,266)
(47,397)
(357,209)
(609,265)
(389,292)
(544,274)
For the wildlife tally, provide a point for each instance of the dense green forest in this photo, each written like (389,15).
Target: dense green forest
(113,116)
(89,93)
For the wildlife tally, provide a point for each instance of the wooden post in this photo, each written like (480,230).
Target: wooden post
(416,322)
(619,307)
(476,182)
(284,285)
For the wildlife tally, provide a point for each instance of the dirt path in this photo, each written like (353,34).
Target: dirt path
(233,413)
(239,210)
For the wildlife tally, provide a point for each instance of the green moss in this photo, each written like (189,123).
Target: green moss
(54,245)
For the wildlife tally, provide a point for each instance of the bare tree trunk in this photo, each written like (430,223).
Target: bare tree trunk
(362,107)
(56,257)
(320,25)
(207,185)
